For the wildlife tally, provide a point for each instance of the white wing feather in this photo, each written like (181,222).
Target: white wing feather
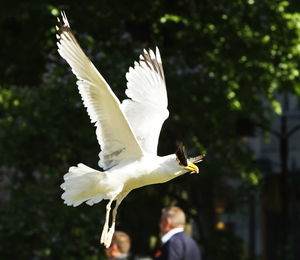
(114,134)
(146,109)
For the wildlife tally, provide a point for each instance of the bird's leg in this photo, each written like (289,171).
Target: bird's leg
(105,228)
(114,214)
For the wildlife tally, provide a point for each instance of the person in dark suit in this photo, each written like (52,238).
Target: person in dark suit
(176,244)
(119,247)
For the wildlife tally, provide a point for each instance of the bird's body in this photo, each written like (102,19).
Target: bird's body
(143,171)
(122,178)
(127,132)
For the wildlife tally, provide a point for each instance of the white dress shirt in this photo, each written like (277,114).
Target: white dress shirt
(171,233)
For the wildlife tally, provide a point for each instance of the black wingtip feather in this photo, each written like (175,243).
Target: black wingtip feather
(155,65)
(181,154)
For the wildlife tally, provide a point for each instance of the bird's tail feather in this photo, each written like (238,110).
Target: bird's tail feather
(81,184)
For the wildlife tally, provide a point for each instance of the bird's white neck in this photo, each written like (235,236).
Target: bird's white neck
(170,165)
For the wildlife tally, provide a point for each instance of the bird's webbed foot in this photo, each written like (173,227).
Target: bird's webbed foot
(104,234)
(103,239)
(110,233)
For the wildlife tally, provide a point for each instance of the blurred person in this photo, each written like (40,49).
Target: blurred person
(176,244)
(119,248)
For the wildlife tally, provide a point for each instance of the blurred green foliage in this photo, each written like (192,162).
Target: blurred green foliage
(224,62)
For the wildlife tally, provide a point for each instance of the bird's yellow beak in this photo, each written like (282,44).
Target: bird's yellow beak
(192,168)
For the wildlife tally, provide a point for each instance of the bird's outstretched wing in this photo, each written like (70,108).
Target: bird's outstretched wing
(114,134)
(146,109)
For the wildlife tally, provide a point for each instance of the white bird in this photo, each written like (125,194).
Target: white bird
(127,132)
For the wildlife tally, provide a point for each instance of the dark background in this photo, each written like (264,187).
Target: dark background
(225,62)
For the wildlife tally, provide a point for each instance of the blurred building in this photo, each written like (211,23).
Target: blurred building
(276,211)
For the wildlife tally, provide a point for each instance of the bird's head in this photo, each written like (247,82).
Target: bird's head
(187,163)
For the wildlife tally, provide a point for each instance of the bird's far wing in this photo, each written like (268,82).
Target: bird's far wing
(114,134)
(146,109)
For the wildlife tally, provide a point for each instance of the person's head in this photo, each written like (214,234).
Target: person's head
(172,217)
(120,244)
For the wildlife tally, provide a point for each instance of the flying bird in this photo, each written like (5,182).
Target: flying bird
(127,131)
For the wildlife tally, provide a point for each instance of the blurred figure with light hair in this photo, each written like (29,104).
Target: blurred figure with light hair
(119,247)
(176,244)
